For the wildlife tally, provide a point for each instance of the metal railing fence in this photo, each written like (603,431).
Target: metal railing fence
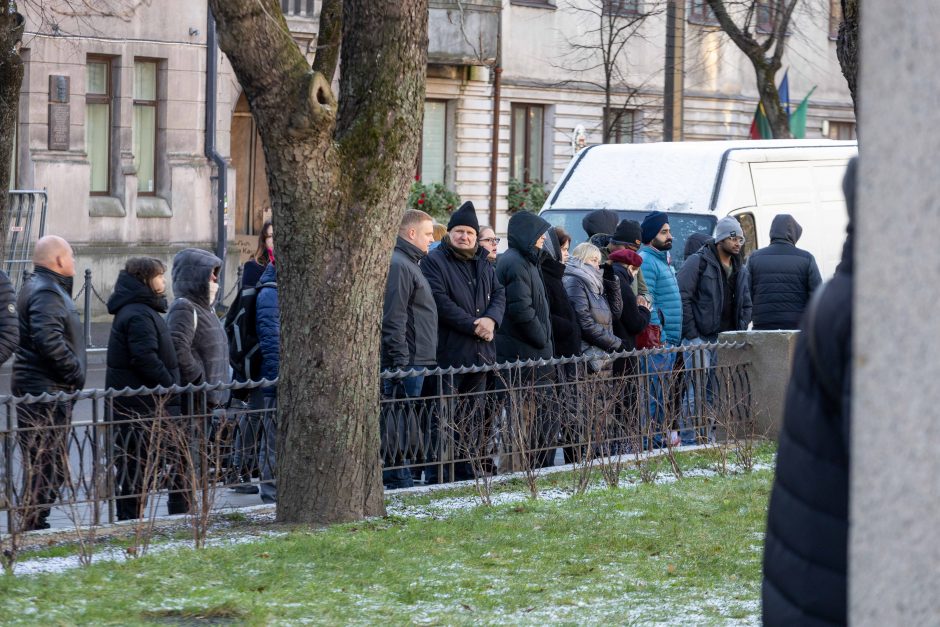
(98,456)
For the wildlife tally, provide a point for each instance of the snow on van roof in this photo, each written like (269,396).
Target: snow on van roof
(676,176)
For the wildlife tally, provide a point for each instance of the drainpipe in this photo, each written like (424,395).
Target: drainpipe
(497,83)
(212,79)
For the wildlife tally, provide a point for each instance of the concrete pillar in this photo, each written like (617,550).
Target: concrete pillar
(770,355)
(894,552)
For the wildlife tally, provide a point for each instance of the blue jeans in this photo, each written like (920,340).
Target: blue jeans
(698,391)
(411,387)
(660,376)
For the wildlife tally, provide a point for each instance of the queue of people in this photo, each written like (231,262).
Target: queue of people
(541,300)
(451,300)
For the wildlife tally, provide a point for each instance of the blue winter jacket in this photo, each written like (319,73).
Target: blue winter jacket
(268,326)
(664,290)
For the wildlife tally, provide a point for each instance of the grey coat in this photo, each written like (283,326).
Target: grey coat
(200,342)
(409,317)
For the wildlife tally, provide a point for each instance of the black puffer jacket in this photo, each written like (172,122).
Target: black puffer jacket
(632,318)
(526,331)
(782,276)
(596,301)
(463,291)
(200,342)
(9,322)
(806,544)
(566,334)
(701,286)
(51,354)
(140,349)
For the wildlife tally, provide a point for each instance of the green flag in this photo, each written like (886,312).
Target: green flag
(798,117)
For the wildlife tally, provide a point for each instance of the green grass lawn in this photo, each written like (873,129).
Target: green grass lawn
(683,552)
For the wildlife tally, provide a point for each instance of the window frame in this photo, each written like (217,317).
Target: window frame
(618,128)
(420,158)
(765,24)
(835,19)
(105,99)
(135,102)
(534,4)
(704,17)
(525,175)
(618,8)
(836,124)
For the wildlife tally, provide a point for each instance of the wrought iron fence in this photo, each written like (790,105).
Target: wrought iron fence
(102,455)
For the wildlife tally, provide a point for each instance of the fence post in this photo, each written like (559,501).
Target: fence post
(87,319)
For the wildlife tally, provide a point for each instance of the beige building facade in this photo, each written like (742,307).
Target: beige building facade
(113,112)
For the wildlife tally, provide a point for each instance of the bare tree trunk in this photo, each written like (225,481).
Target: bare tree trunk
(847,47)
(11,78)
(338,180)
(770,98)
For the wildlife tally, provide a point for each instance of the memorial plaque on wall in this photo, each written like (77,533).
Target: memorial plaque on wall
(58,112)
(58,88)
(58,126)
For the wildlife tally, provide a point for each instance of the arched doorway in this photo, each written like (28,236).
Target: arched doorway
(252,201)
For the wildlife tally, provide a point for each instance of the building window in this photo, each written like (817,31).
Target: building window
(621,123)
(297,8)
(145,126)
(835,18)
(765,16)
(841,130)
(526,148)
(98,123)
(626,8)
(432,161)
(701,13)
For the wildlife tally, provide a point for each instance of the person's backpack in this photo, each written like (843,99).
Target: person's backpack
(244,353)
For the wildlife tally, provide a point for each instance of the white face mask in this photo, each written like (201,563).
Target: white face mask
(213,290)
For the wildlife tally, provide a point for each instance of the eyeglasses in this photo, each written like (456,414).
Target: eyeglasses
(495,240)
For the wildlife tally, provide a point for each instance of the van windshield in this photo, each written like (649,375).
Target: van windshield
(682,225)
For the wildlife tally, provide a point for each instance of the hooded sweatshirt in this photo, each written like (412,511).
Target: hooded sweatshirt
(526,330)
(200,342)
(782,277)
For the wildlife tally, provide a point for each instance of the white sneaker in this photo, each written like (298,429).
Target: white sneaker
(674,438)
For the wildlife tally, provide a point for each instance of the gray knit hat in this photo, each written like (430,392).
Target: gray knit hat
(727,227)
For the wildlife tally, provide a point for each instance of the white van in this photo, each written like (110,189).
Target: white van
(699,182)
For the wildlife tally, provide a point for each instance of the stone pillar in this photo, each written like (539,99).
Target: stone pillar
(770,354)
(894,551)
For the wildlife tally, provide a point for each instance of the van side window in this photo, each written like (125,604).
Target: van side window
(746,220)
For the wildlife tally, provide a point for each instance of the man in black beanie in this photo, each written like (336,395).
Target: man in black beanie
(470,304)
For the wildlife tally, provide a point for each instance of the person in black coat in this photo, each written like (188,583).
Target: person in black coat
(526,331)
(470,306)
(49,358)
(140,354)
(566,333)
(782,276)
(9,321)
(806,544)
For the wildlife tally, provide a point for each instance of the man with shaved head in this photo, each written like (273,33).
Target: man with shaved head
(50,358)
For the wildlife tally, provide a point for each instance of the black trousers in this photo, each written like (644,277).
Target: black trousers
(43,430)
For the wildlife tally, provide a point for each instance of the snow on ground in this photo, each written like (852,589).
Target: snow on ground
(396,505)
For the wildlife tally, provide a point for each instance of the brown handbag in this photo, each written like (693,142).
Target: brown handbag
(651,336)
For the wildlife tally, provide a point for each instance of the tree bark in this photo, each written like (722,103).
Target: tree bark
(766,56)
(847,47)
(11,79)
(338,180)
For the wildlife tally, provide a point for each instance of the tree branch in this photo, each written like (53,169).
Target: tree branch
(329,35)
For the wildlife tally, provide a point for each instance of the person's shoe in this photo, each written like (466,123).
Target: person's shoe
(242,485)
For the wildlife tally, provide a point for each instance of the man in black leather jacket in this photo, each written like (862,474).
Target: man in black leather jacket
(50,359)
